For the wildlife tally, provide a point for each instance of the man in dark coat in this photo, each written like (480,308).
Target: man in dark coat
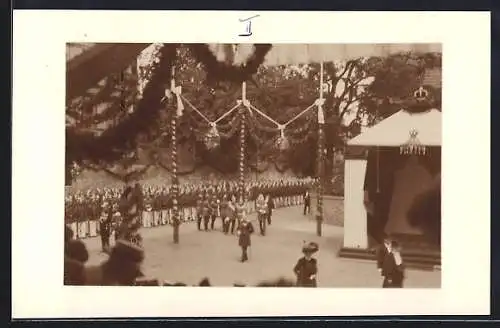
(307,202)
(214,209)
(199,211)
(270,208)
(206,211)
(244,241)
(104,231)
(306,268)
(393,267)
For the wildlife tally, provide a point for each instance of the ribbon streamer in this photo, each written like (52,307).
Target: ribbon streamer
(180,106)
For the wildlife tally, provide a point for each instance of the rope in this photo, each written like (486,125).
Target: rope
(196,110)
(299,114)
(263,114)
(227,113)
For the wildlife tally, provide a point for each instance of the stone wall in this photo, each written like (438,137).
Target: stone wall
(333,209)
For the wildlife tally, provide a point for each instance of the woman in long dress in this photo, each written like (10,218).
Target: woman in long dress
(306,268)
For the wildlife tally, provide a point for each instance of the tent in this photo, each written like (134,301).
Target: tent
(381,182)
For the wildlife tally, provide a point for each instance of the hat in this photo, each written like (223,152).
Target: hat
(395,244)
(310,248)
(388,238)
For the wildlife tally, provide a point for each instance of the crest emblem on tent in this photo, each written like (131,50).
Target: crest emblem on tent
(421,94)
(413,146)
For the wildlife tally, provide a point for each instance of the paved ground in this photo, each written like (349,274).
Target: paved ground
(216,255)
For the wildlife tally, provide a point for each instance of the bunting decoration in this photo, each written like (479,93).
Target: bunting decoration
(218,71)
(116,140)
(229,64)
(75,170)
(212,138)
(282,142)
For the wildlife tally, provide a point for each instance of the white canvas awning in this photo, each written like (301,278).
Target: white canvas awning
(285,54)
(395,130)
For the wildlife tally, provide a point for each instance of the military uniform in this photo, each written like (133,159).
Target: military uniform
(262,215)
(104,231)
(199,211)
(270,208)
(245,230)
(206,211)
(214,209)
(225,214)
(307,203)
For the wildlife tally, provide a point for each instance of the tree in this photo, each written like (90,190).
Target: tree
(395,79)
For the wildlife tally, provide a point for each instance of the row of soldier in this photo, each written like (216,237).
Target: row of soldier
(202,202)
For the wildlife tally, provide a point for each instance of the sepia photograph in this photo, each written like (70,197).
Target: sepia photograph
(297,165)
(308,152)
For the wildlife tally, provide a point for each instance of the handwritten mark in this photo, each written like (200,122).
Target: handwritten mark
(248,21)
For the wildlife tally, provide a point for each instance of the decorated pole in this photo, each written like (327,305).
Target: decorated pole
(174,158)
(321,124)
(241,182)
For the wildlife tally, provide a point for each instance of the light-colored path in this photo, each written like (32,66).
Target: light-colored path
(215,255)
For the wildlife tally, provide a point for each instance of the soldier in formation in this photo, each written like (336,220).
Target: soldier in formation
(201,202)
(262,213)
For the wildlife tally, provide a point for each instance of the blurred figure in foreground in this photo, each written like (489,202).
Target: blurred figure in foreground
(122,268)
(75,257)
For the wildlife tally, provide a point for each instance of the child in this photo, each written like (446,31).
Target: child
(393,267)
(382,252)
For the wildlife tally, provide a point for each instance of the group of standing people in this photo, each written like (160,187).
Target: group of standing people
(230,211)
(122,219)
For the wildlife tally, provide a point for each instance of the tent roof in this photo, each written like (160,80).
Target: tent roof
(285,54)
(395,130)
